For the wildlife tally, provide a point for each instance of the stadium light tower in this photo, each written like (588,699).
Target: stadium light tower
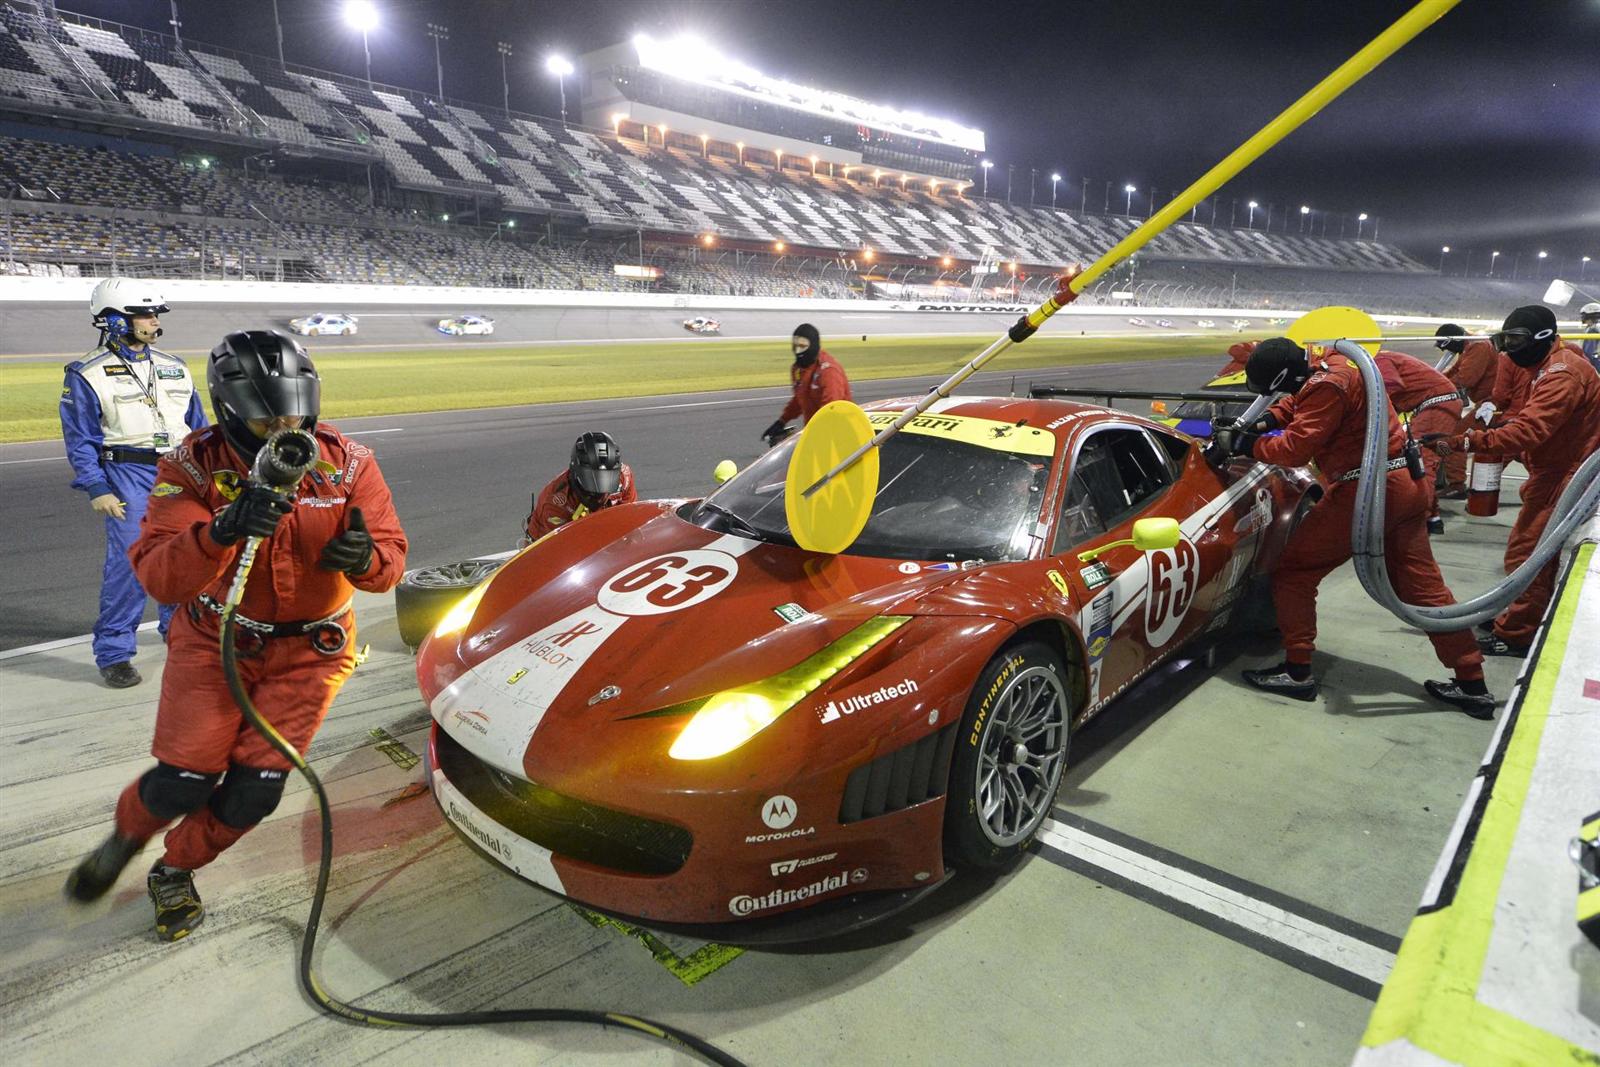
(561,66)
(1360,221)
(1492,257)
(362,15)
(705,146)
(988,165)
(504,49)
(438,33)
(1304,211)
(1583,267)
(1445,251)
(1127,207)
(1055,179)
(1250,220)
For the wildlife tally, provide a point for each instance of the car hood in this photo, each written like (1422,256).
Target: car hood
(634,610)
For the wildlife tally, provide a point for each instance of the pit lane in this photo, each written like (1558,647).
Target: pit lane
(1224,881)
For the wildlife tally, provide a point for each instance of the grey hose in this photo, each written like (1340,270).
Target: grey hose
(1577,503)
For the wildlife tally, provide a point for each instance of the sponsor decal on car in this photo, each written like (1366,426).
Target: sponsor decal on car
(745,905)
(782,867)
(779,835)
(908,568)
(1059,582)
(1096,574)
(835,709)
(517,676)
(779,811)
(1097,628)
(472,719)
(792,613)
(479,834)
(970,430)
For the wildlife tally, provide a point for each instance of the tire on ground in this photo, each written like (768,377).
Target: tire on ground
(425,594)
(1019,669)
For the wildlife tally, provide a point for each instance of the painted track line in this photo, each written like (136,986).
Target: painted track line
(1344,954)
(62,642)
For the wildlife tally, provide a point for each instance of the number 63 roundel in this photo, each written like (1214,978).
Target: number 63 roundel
(668,583)
(1174,581)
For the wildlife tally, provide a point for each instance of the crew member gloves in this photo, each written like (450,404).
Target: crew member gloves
(255,512)
(351,551)
(774,433)
(1484,412)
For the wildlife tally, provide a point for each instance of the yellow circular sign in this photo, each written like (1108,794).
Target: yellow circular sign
(834,516)
(1334,323)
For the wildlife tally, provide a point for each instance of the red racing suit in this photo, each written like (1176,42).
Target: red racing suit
(1417,390)
(198,726)
(1473,373)
(1238,357)
(557,503)
(1326,421)
(819,383)
(1554,424)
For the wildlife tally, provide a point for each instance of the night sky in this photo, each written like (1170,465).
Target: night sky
(1483,133)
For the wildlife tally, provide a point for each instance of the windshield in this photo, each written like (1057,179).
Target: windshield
(937,500)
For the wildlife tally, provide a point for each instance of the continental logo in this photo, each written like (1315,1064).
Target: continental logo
(482,837)
(988,698)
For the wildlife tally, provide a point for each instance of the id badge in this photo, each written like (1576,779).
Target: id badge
(161,440)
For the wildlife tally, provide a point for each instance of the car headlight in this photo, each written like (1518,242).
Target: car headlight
(730,718)
(460,613)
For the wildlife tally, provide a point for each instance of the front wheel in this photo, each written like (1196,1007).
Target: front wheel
(1010,753)
(425,594)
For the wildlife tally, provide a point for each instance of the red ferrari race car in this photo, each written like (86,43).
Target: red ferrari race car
(670,712)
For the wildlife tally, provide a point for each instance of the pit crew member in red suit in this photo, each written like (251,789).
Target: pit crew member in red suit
(595,478)
(1417,390)
(817,378)
(1473,369)
(1554,425)
(1238,357)
(337,533)
(1324,419)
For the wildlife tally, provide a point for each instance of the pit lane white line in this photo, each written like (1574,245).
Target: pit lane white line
(1293,931)
(62,642)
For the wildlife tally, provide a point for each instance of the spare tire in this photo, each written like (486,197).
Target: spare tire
(425,594)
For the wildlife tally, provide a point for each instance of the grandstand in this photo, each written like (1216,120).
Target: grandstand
(124,149)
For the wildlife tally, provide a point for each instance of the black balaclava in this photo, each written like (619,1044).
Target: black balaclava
(1449,338)
(808,355)
(1532,330)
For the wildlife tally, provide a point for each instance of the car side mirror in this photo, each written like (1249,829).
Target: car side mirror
(1151,534)
(725,470)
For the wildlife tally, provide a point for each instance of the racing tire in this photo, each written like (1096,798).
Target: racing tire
(1011,749)
(346,332)
(425,594)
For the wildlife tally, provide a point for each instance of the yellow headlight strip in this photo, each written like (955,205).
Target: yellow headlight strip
(985,433)
(461,612)
(732,717)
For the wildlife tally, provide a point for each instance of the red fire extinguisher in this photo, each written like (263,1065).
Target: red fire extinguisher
(1483,484)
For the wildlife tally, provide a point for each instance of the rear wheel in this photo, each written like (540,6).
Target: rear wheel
(425,594)
(1010,753)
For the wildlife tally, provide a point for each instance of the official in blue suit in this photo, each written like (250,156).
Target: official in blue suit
(123,405)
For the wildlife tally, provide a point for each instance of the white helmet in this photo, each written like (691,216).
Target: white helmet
(1591,310)
(125,297)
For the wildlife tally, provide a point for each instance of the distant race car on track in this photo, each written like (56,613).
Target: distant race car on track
(1241,324)
(701,324)
(1137,322)
(1205,324)
(324,324)
(669,710)
(1167,323)
(467,326)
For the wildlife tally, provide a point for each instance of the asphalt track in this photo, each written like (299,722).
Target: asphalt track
(62,331)
(462,480)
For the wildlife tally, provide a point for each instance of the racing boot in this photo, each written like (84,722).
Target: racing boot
(178,906)
(1479,705)
(98,871)
(1282,680)
(121,675)
(1495,645)
(1435,525)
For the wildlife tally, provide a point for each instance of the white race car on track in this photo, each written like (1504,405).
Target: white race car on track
(467,326)
(1137,322)
(1241,324)
(701,324)
(1205,324)
(324,324)
(1166,323)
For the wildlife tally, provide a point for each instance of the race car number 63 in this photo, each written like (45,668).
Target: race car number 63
(668,583)
(1174,580)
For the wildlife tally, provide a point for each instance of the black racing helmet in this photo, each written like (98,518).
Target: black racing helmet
(1277,365)
(1448,338)
(261,374)
(595,471)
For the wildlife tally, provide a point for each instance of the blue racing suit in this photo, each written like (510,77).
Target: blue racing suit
(120,409)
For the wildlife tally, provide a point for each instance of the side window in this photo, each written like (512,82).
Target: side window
(1115,471)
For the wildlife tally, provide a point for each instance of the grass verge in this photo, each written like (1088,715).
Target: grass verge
(452,378)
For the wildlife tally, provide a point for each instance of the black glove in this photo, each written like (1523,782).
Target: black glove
(775,433)
(1265,424)
(351,551)
(1243,444)
(255,512)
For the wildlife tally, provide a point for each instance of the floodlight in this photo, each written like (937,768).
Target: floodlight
(1055,177)
(1129,189)
(1359,218)
(1446,248)
(1255,205)
(988,163)
(361,15)
(1304,210)
(560,66)
(1543,254)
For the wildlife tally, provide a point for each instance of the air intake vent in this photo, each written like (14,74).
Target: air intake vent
(907,776)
